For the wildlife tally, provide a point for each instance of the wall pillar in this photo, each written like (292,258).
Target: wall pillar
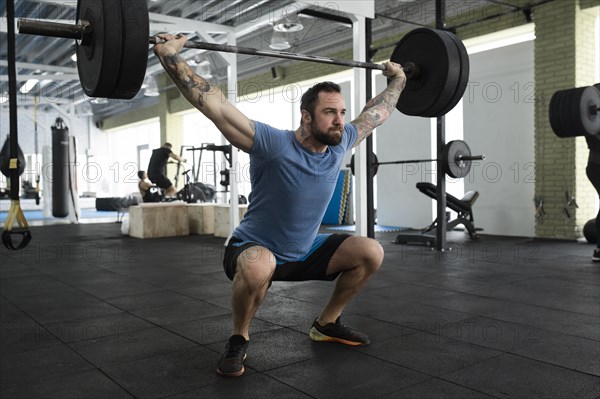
(171,129)
(564,59)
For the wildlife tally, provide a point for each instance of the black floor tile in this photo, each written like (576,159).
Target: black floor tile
(89,384)
(254,386)
(215,329)
(130,346)
(427,353)
(24,335)
(208,289)
(149,300)
(180,312)
(580,325)
(436,388)
(17,270)
(514,376)
(118,287)
(113,325)
(168,374)
(564,350)
(57,311)
(549,293)
(40,364)
(412,315)
(338,372)
(17,287)
(288,312)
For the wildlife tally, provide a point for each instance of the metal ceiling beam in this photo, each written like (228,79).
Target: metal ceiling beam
(166,23)
(266,19)
(4,78)
(41,67)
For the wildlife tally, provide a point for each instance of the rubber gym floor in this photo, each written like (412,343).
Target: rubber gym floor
(86,312)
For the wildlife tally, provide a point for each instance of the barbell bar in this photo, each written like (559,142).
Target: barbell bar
(112,38)
(456,160)
(82,32)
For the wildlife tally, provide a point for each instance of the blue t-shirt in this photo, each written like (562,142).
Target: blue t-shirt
(291,189)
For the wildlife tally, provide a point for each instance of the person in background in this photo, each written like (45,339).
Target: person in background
(146,188)
(157,168)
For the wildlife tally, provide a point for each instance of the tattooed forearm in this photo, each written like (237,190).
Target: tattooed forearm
(192,86)
(377,110)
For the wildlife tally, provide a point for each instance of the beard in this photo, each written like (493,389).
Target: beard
(331,137)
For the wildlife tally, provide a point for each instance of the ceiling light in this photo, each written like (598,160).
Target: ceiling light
(98,100)
(30,84)
(3,97)
(288,27)
(150,87)
(85,109)
(279,41)
(74,57)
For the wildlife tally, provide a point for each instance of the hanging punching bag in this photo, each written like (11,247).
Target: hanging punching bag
(60,177)
(5,159)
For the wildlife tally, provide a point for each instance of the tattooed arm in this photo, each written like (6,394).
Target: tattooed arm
(204,95)
(379,108)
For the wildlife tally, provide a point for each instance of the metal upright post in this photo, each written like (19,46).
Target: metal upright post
(370,169)
(440,242)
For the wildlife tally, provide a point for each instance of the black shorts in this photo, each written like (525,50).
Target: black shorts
(161,181)
(314,267)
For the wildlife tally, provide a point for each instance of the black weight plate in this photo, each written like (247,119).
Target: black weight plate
(589,102)
(463,81)
(571,112)
(136,27)
(433,52)
(454,167)
(99,61)
(452,80)
(375,163)
(554,113)
(562,106)
(567,107)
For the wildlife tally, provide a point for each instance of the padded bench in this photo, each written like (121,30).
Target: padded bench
(463,207)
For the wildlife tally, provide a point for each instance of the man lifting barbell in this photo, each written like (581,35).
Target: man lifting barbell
(277,239)
(291,187)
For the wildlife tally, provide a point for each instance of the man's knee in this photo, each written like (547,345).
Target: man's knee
(372,254)
(256,266)
(362,252)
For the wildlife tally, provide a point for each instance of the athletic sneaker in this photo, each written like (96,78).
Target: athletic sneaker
(231,363)
(337,332)
(596,255)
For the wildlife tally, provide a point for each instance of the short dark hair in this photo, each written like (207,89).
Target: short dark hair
(168,145)
(141,174)
(310,97)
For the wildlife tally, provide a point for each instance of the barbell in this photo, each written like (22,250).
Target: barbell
(112,38)
(456,160)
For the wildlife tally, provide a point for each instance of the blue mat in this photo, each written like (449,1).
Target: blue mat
(378,228)
(85,214)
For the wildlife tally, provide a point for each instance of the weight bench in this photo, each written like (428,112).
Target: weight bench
(463,207)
